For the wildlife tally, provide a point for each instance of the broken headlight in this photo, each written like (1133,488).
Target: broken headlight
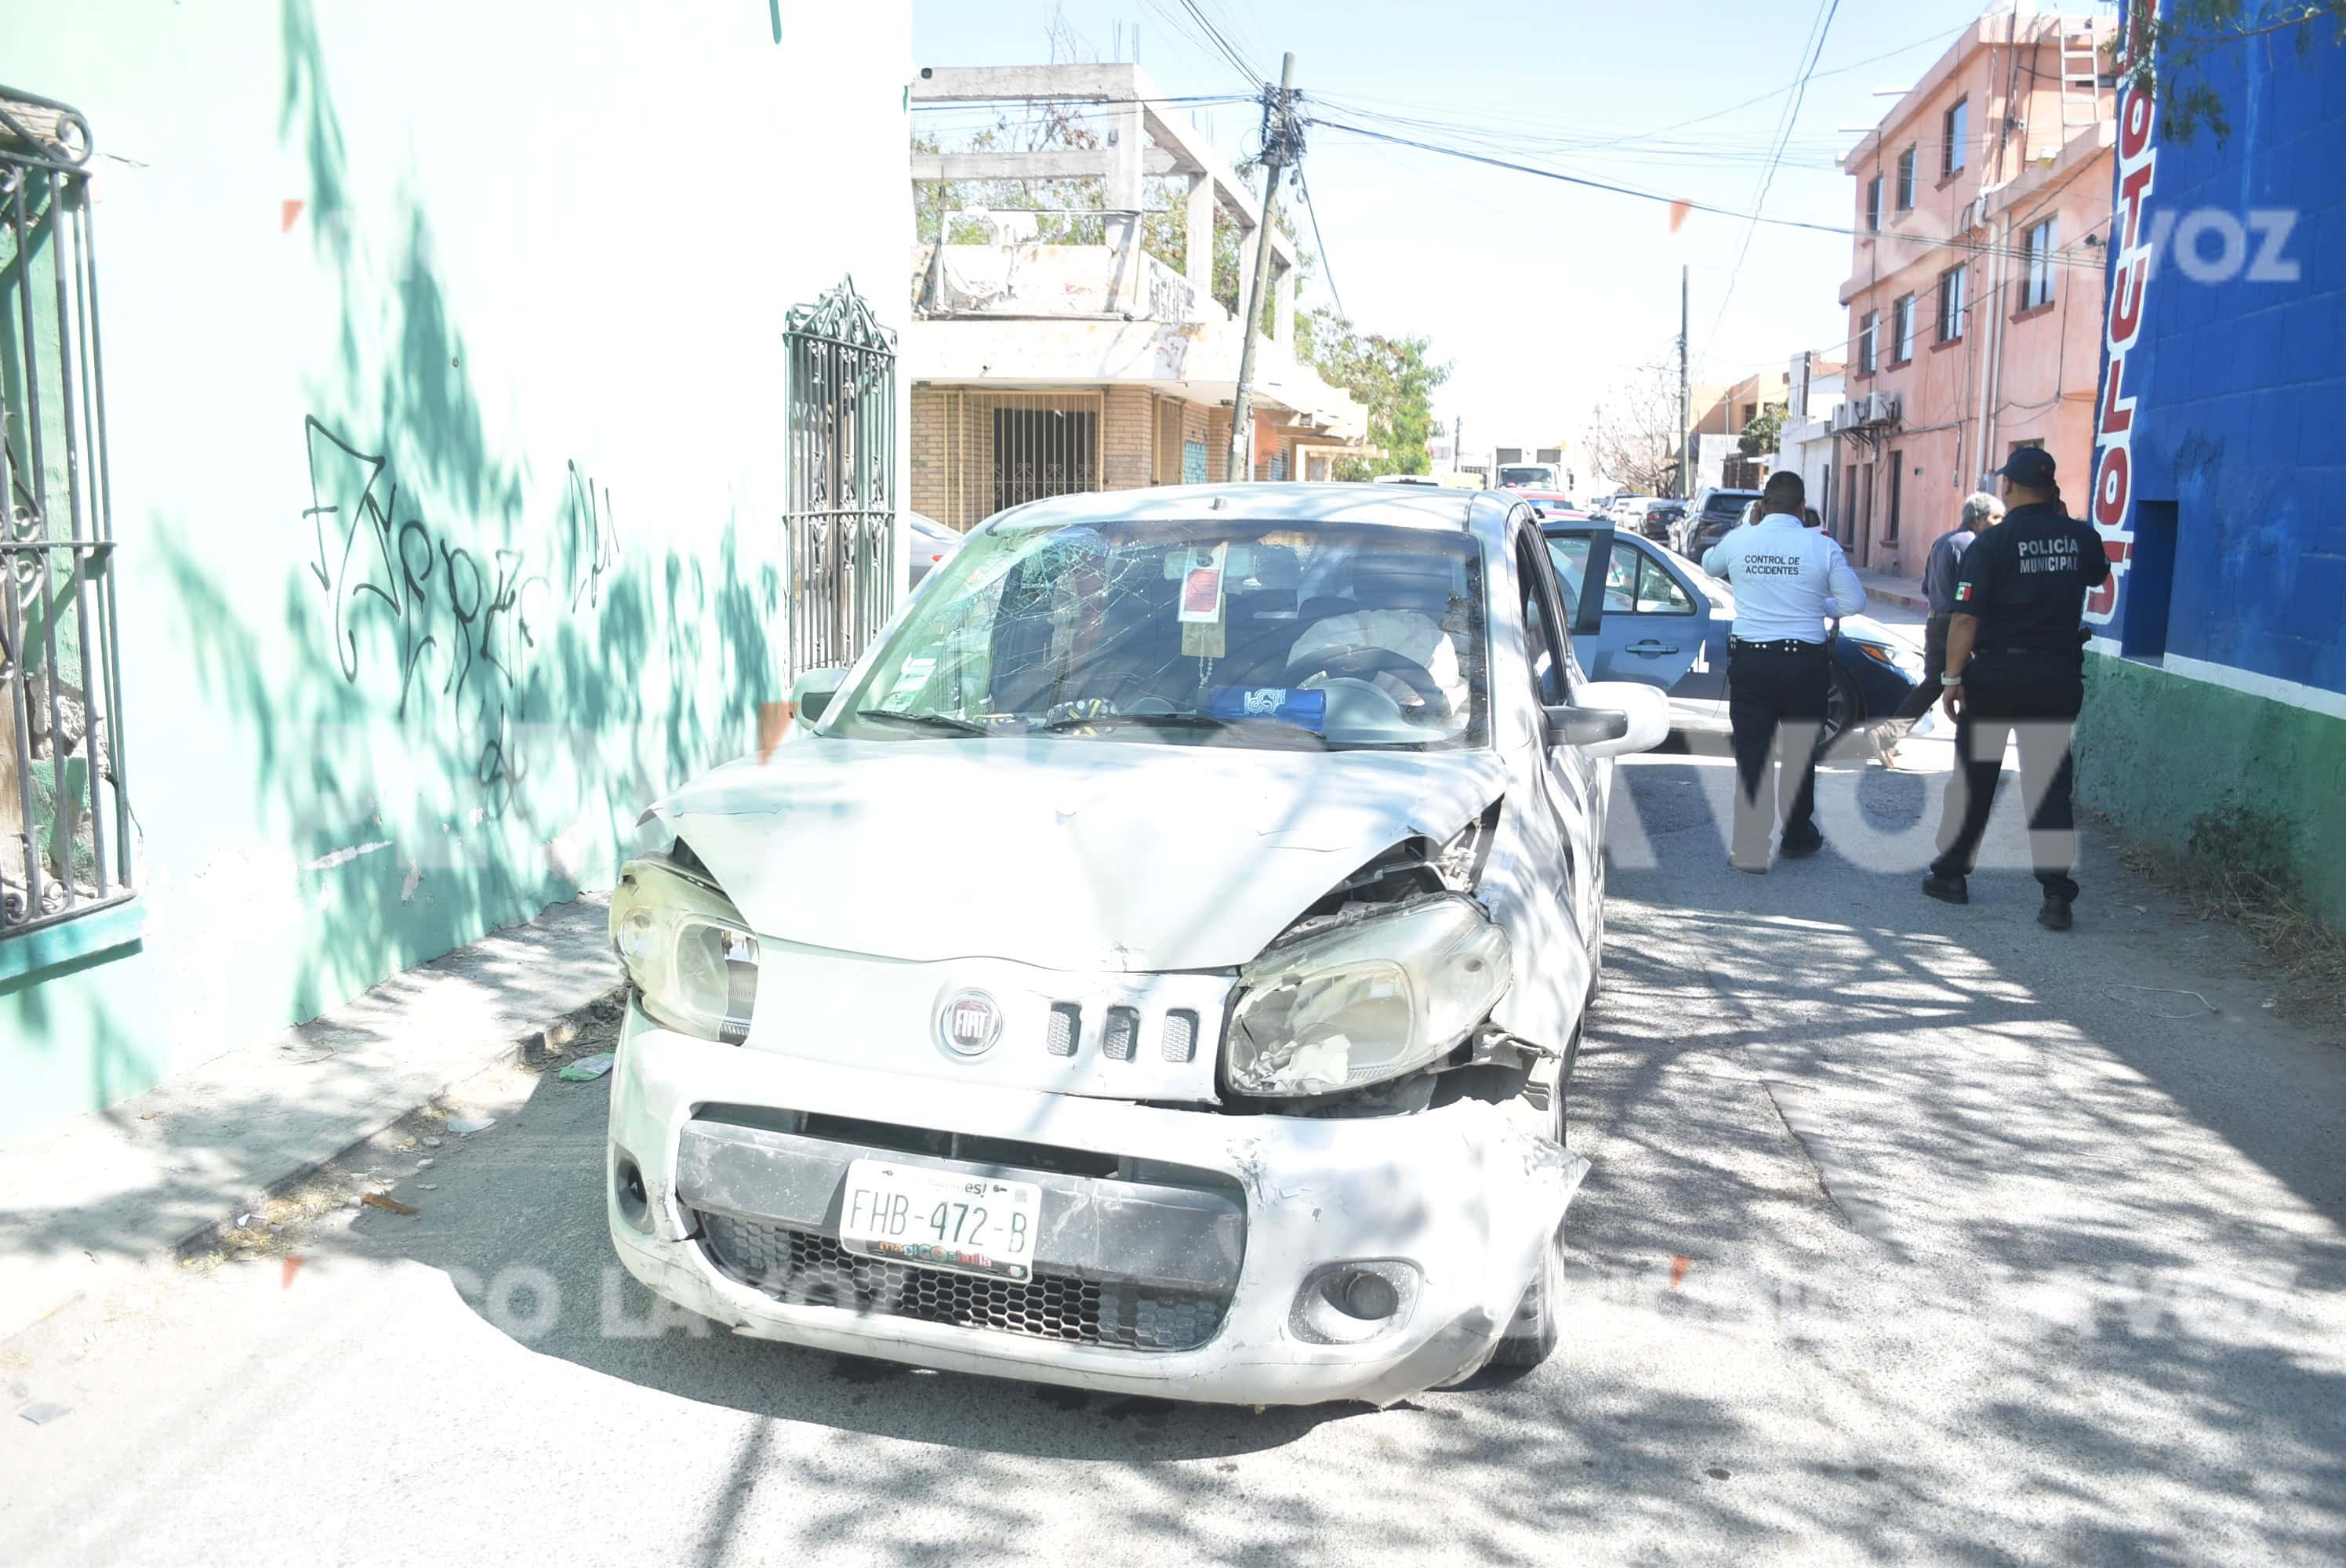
(1373,998)
(688,950)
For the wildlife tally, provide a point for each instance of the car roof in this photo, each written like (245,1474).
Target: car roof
(1427,506)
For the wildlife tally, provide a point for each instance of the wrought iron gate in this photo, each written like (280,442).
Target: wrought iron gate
(840,531)
(65,821)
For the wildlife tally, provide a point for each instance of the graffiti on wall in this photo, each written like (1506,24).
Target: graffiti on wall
(459,624)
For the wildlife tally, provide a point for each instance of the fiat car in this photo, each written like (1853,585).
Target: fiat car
(1221,1052)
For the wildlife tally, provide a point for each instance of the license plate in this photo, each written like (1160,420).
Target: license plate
(938,1219)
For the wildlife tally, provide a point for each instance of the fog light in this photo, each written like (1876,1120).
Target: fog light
(1349,1303)
(628,1192)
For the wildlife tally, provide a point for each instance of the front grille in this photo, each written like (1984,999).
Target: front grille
(805,1267)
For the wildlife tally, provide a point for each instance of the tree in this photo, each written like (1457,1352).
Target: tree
(1767,427)
(2165,43)
(1393,376)
(1634,435)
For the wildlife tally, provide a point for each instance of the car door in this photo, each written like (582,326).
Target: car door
(1652,624)
(1575,788)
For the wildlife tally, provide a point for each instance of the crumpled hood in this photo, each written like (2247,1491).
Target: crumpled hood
(1072,854)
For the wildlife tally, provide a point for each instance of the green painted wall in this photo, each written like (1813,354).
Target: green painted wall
(2157,751)
(443,346)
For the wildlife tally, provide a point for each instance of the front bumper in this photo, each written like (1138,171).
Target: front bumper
(1467,1195)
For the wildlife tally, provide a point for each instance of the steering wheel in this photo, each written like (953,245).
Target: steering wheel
(1359,662)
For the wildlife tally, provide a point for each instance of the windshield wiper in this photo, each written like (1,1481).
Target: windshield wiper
(1153,720)
(944,721)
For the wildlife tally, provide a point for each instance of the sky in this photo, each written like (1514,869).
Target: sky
(1540,294)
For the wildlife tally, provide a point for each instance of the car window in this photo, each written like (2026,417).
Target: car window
(1569,554)
(1341,634)
(1543,647)
(1657,592)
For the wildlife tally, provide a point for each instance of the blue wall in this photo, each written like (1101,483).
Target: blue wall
(2240,381)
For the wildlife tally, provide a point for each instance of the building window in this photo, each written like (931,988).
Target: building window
(1953,304)
(1906,180)
(1873,205)
(1956,126)
(1869,338)
(66,849)
(1902,329)
(840,403)
(1897,485)
(1044,451)
(2042,240)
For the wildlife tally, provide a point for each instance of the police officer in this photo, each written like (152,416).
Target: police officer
(2015,659)
(1789,579)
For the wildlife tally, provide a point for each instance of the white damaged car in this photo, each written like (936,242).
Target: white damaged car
(1220,1051)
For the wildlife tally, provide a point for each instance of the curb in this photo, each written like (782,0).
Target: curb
(531,1047)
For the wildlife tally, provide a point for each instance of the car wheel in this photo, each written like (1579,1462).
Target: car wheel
(1538,1327)
(1844,708)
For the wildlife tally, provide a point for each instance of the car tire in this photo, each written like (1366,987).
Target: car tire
(1538,1327)
(1844,712)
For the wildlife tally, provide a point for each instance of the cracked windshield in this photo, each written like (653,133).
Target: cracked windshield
(1335,636)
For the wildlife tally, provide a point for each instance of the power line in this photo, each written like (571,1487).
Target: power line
(1768,179)
(1327,269)
(1967,246)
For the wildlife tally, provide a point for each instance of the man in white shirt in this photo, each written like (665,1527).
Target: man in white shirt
(1789,581)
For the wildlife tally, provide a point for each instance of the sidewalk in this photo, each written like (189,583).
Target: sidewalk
(135,1181)
(1905,591)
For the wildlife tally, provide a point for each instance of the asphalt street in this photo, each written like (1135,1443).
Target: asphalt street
(1913,1234)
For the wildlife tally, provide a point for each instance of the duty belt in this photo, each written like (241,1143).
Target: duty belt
(1781,645)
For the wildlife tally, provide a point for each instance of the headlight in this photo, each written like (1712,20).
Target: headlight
(1906,663)
(688,950)
(1372,1000)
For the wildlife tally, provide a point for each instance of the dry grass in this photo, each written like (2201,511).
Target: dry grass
(2309,957)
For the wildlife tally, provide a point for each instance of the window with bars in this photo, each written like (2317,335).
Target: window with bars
(65,843)
(1902,329)
(2040,246)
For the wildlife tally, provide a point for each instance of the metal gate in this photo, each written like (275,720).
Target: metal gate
(65,823)
(840,530)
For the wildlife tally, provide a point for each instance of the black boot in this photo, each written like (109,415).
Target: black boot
(2054,915)
(1947,889)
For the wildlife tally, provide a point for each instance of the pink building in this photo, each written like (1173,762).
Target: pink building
(1983,201)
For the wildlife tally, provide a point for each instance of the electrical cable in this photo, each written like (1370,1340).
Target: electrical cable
(1820,32)
(1327,271)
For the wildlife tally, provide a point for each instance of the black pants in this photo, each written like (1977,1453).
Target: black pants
(1934,664)
(2038,697)
(1776,703)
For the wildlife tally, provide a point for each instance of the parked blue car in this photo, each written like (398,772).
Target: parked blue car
(1665,623)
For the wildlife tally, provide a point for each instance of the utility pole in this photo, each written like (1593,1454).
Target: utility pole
(1279,144)
(1686,408)
(1457,435)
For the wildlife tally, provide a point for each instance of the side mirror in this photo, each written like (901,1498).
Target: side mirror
(1612,718)
(1583,726)
(813,690)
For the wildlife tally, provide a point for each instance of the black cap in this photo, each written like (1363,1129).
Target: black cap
(2029,465)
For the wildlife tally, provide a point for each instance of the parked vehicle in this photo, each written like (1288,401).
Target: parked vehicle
(1666,622)
(931,542)
(1708,516)
(1223,1055)
(1657,521)
(1555,503)
(1530,476)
